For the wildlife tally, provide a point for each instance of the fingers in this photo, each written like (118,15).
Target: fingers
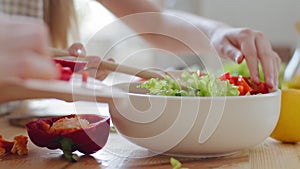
(238,58)
(93,61)
(77,49)
(267,60)
(231,52)
(93,65)
(33,36)
(33,66)
(24,49)
(270,61)
(276,70)
(253,46)
(248,49)
(40,39)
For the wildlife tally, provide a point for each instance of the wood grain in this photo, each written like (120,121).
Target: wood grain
(274,155)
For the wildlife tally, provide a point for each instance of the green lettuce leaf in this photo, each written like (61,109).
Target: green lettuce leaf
(206,85)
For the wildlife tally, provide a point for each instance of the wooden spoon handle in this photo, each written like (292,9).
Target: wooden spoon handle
(147,74)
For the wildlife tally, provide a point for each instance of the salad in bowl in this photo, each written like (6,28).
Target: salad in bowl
(200,84)
(211,116)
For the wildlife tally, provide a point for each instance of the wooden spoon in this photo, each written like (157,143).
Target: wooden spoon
(107,65)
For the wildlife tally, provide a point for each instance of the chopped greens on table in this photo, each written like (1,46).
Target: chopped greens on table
(176,164)
(204,85)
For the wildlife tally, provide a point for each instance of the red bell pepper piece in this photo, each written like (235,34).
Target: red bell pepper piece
(87,139)
(242,83)
(5,146)
(67,67)
(260,88)
(74,65)
(18,146)
(85,76)
(200,74)
(249,86)
(65,72)
(225,76)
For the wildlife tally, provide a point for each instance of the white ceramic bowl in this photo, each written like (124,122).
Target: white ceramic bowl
(172,125)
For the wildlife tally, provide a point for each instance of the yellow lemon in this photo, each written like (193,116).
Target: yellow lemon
(288,126)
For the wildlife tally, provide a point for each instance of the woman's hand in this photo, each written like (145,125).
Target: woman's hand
(78,50)
(93,65)
(24,49)
(244,43)
(235,43)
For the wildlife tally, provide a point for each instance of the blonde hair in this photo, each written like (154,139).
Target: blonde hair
(60,15)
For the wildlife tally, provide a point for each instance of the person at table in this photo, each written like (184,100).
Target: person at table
(237,44)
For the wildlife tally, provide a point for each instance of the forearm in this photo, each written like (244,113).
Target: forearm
(174,31)
(194,29)
(122,8)
(207,26)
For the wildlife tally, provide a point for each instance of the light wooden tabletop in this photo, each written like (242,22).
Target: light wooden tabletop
(119,153)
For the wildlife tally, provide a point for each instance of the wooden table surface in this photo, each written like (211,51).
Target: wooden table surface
(119,153)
